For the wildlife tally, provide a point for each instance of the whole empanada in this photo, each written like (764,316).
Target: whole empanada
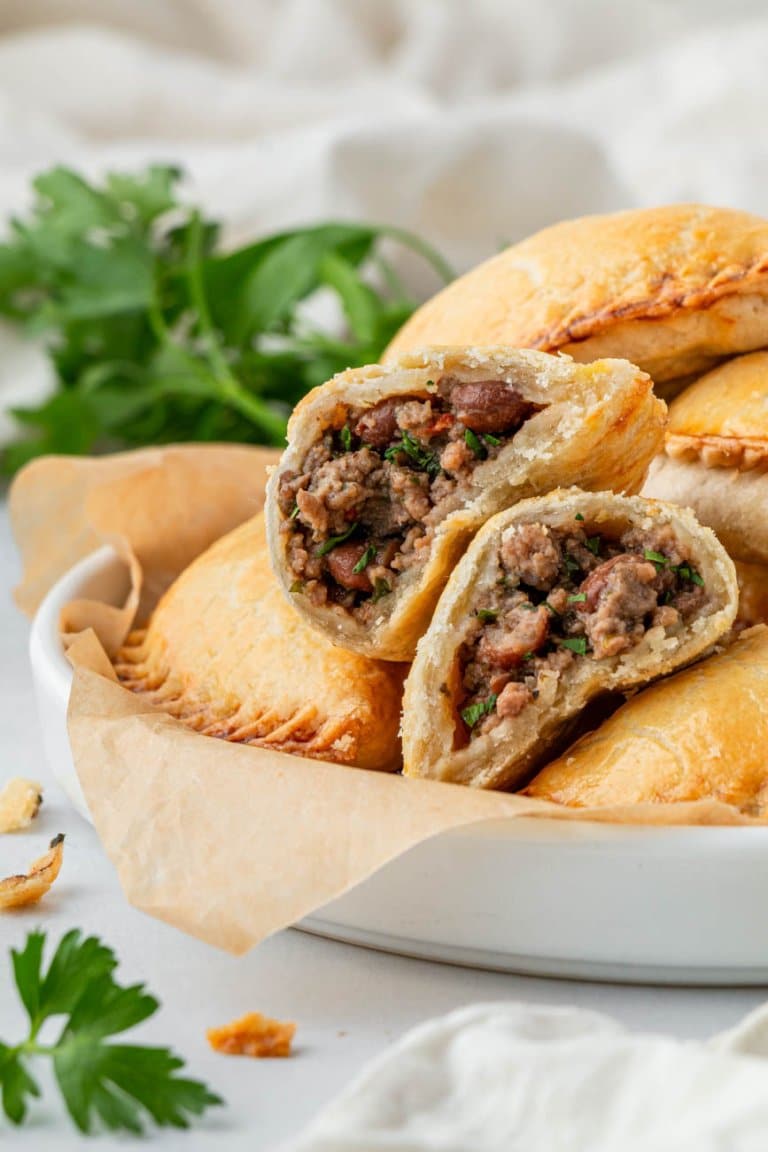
(226,654)
(389,472)
(699,735)
(558,601)
(673,289)
(716,455)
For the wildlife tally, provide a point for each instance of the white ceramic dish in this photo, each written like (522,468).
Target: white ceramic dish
(674,905)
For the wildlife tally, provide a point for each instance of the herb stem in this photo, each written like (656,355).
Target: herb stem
(231,391)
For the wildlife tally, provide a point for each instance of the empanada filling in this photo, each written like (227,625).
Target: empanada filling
(364,505)
(562,595)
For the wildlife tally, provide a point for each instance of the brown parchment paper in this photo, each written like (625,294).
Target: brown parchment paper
(227,842)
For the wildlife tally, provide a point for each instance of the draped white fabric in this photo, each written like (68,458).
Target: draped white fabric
(520,1078)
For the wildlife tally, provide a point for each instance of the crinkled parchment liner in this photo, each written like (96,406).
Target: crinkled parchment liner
(228,842)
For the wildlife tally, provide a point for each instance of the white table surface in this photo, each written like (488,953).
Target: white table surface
(349,1003)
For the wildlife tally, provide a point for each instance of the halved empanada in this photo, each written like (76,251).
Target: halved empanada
(701,734)
(559,600)
(389,472)
(225,653)
(716,455)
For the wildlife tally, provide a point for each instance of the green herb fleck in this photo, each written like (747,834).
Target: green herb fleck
(656,557)
(494,440)
(578,516)
(576,644)
(114,1086)
(486,614)
(380,588)
(577,598)
(334,541)
(475,712)
(593,543)
(685,572)
(297,586)
(346,438)
(474,443)
(571,563)
(550,608)
(422,458)
(295,512)
(528,655)
(367,558)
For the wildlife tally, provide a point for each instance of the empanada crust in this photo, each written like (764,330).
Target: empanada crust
(753,594)
(701,734)
(673,289)
(503,757)
(226,654)
(731,502)
(722,419)
(600,429)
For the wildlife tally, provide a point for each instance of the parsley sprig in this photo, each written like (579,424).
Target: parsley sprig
(423,459)
(119,1085)
(156,334)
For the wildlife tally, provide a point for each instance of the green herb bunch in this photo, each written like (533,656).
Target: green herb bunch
(116,1084)
(157,336)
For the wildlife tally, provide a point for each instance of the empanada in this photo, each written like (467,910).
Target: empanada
(716,455)
(673,289)
(389,472)
(225,653)
(558,601)
(701,734)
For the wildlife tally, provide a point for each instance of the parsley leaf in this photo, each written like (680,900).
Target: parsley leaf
(116,1084)
(593,543)
(367,558)
(578,516)
(380,588)
(345,435)
(475,712)
(422,458)
(475,444)
(486,614)
(156,335)
(577,598)
(655,557)
(576,644)
(334,541)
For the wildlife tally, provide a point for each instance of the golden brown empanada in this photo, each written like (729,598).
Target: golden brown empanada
(716,455)
(558,600)
(225,653)
(673,289)
(701,734)
(389,472)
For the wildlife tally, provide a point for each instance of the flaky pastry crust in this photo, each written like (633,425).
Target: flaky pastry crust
(503,757)
(701,734)
(225,653)
(673,289)
(601,426)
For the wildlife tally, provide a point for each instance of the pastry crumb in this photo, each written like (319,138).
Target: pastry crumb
(20,802)
(253,1035)
(19,891)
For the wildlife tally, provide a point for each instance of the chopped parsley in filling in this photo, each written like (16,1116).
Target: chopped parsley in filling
(364,505)
(565,594)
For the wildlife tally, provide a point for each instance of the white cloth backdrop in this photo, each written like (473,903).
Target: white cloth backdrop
(473,122)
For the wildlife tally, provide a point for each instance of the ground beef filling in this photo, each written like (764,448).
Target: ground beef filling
(364,505)
(562,595)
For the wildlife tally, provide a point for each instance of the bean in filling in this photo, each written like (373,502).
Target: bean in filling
(568,594)
(364,505)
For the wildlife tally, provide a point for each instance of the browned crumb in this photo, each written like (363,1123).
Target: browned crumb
(253,1035)
(18,891)
(20,802)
